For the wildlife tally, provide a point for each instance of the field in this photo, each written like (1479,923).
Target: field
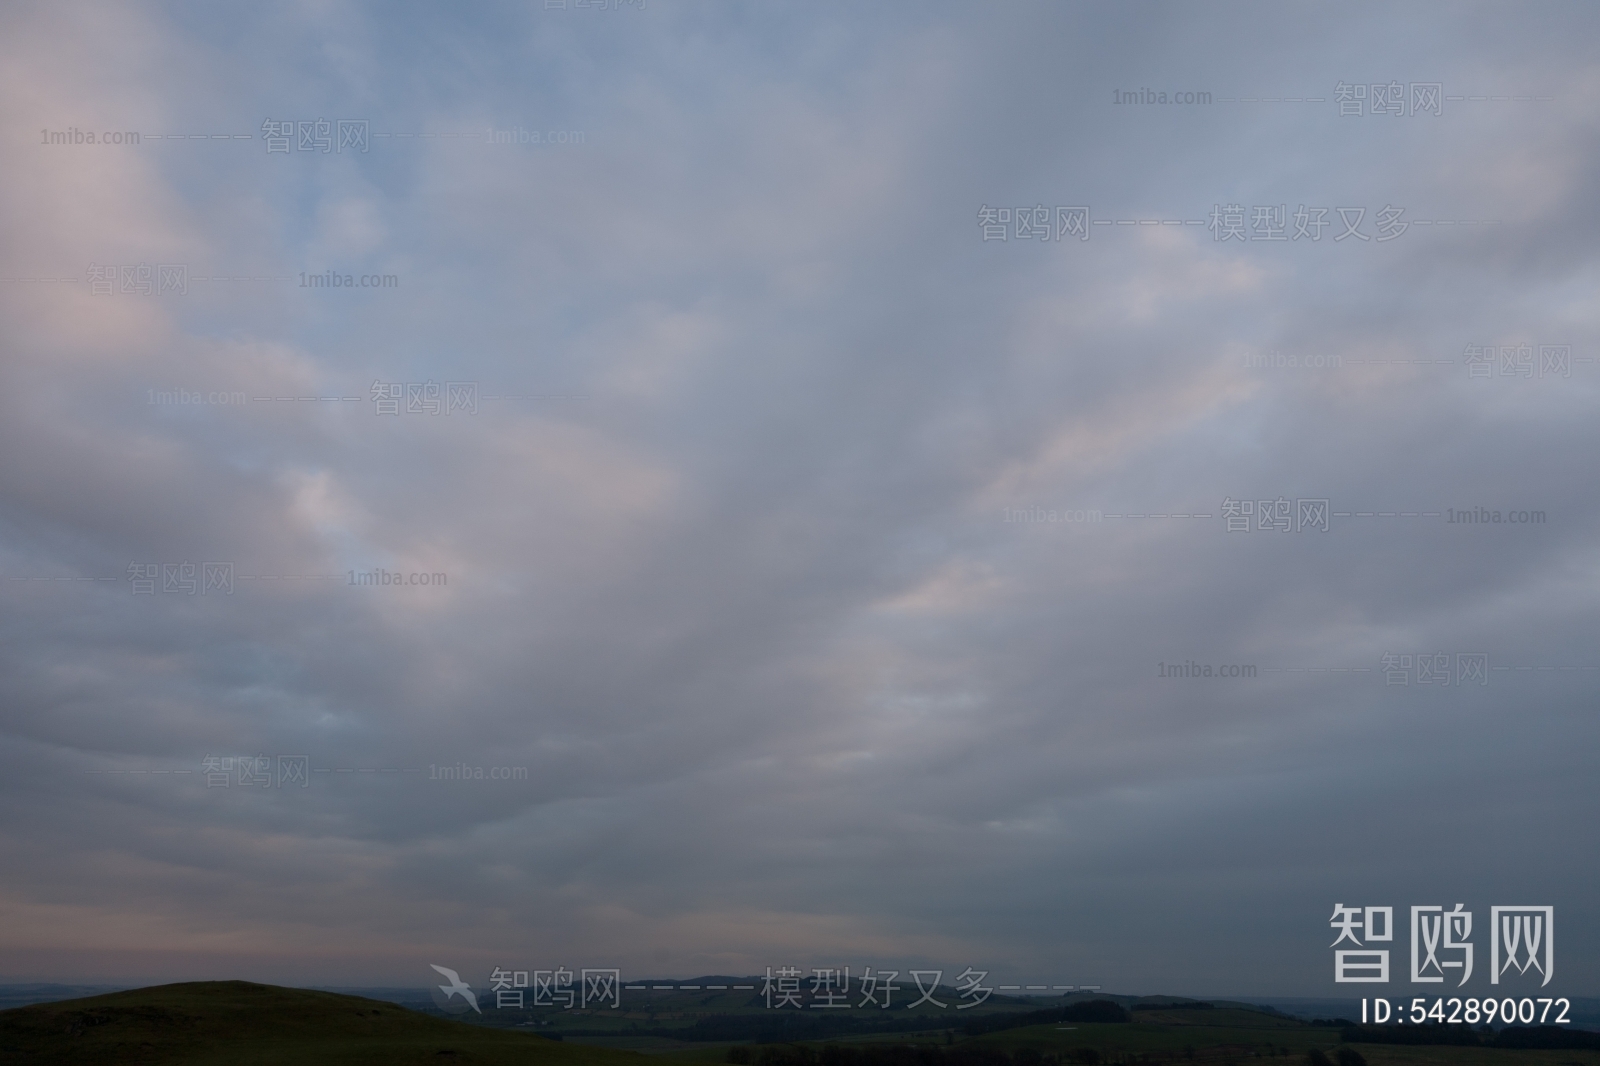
(236,1023)
(1216,1037)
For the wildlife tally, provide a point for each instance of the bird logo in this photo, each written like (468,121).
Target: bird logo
(444,997)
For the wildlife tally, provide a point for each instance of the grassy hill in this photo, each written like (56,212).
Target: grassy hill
(236,1023)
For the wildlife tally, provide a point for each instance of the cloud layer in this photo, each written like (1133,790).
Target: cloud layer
(741,486)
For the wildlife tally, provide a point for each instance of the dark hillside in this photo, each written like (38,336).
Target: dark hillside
(236,1023)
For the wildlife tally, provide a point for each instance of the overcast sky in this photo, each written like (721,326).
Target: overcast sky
(808,556)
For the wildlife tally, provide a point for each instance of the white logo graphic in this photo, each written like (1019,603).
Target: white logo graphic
(1441,944)
(1368,966)
(444,995)
(1522,929)
(1456,927)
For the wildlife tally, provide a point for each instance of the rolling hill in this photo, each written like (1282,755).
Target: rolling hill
(237,1023)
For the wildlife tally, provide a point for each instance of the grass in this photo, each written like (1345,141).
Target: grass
(1223,1037)
(1394,1055)
(237,1023)
(1230,1039)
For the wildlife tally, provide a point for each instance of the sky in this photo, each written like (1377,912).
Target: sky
(694,487)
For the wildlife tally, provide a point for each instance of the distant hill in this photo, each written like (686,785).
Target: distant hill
(237,1023)
(1103,1011)
(20,995)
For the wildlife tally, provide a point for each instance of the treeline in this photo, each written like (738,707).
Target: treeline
(1190,1004)
(901,1055)
(1516,1036)
(1094,1011)
(784,1027)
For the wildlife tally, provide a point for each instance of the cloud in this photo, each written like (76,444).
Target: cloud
(708,426)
